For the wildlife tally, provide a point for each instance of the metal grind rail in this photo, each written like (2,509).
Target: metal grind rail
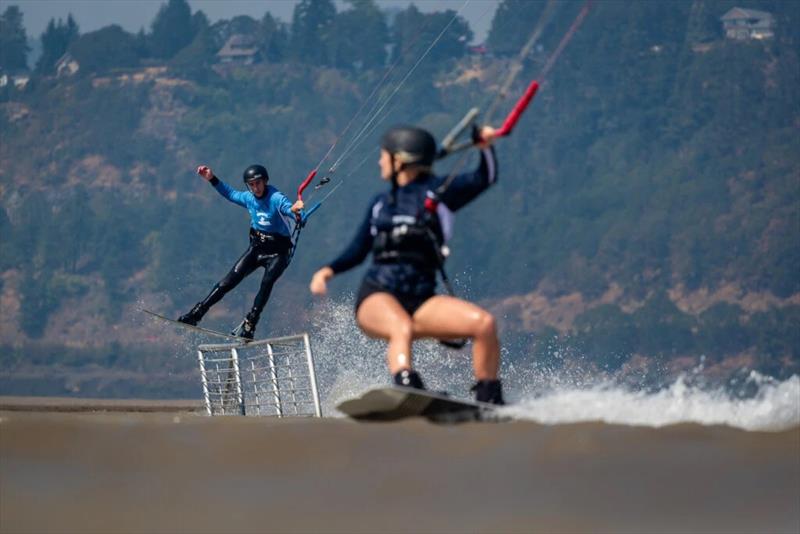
(271,377)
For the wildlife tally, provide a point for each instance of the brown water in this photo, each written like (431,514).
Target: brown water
(151,472)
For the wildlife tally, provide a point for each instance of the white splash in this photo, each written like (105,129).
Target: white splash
(348,362)
(775,406)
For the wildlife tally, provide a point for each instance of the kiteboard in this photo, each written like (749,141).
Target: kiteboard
(196,328)
(397,402)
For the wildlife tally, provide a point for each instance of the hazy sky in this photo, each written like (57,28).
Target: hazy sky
(136,14)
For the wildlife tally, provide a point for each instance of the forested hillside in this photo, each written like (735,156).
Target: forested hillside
(648,208)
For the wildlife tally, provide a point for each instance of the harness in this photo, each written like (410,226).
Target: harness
(274,242)
(416,239)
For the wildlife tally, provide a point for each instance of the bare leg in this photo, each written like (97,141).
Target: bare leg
(444,317)
(381,316)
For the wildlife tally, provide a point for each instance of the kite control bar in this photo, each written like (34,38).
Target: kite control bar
(450,147)
(305,183)
(519,108)
(452,135)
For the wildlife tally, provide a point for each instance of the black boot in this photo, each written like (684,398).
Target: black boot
(489,391)
(200,309)
(408,378)
(194,316)
(246,329)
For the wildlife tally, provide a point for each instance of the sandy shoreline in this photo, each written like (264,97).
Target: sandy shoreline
(170,472)
(76,404)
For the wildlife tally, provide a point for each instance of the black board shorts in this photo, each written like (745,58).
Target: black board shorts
(410,303)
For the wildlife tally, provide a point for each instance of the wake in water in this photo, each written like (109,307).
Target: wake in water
(348,362)
(775,406)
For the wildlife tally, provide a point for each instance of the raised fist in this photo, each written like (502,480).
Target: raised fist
(206,172)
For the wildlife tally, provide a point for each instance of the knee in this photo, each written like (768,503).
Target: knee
(276,268)
(485,325)
(224,284)
(227,283)
(402,329)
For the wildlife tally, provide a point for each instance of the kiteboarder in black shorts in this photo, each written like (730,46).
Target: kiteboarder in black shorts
(405,228)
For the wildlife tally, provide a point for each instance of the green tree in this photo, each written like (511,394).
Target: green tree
(244,25)
(311,24)
(37,302)
(721,331)
(55,41)
(21,243)
(72,226)
(412,35)
(413,32)
(8,256)
(513,22)
(107,48)
(607,334)
(194,59)
(171,29)
(703,25)
(663,329)
(199,23)
(13,41)
(359,36)
(274,38)
(776,333)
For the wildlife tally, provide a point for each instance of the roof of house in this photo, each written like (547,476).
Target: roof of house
(237,46)
(66,58)
(742,13)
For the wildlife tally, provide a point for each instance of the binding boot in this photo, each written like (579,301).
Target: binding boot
(194,315)
(489,391)
(246,329)
(408,378)
(200,309)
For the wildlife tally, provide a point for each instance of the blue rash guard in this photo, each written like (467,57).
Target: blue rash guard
(270,214)
(411,274)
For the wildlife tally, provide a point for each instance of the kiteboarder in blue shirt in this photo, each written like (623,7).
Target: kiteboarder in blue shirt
(272,217)
(405,229)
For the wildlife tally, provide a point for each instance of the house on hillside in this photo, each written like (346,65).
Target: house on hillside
(478,49)
(66,66)
(239,49)
(19,81)
(742,24)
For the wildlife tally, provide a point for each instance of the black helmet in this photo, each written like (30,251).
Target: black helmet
(409,145)
(254,172)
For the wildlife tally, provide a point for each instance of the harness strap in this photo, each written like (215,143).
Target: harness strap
(270,240)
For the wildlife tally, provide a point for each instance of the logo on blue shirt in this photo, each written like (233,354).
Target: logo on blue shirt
(263,218)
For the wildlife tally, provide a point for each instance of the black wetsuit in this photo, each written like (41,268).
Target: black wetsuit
(270,247)
(406,239)
(270,251)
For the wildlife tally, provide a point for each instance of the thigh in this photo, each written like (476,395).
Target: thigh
(380,315)
(245,265)
(445,317)
(274,264)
